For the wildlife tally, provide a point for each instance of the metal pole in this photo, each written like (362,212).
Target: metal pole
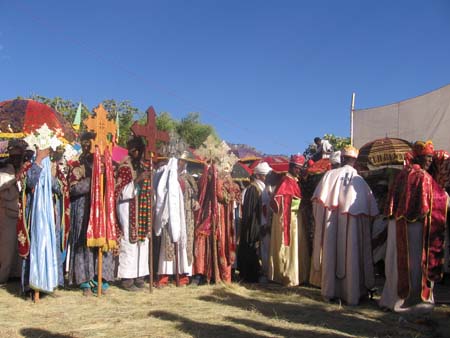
(352,110)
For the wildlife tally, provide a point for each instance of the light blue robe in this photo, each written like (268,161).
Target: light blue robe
(43,255)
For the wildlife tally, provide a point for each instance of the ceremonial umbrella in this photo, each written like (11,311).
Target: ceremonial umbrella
(241,172)
(278,163)
(383,152)
(19,117)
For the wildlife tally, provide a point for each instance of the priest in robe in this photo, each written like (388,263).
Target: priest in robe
(215,248)
(344,207)
(83,260)
(285,257)
(134,242)
(170,225)
(253,220)
(189,187)
(415,242)
(40,268)
(9,211)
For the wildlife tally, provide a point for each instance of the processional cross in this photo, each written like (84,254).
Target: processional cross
(150,133)
(101,126)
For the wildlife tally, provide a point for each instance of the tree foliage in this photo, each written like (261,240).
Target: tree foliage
(337,142)
(192,131)
(165,122)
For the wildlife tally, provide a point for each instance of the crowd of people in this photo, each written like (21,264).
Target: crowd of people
(209,229)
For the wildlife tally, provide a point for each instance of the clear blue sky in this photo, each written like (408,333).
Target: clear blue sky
(271,74)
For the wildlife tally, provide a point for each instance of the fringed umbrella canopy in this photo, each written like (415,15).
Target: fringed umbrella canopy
(19,117)
(383,152)
(241,172)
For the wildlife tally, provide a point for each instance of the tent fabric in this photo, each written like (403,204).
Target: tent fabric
(425,117)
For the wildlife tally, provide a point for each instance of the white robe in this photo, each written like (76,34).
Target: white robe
(343,205)
(133,257)
(170,217)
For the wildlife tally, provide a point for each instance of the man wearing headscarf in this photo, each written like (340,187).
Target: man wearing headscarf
(133,213)
(253,219)
(284,262)
(83,260)
(9,211)
(335,159)
(414,254)
(343,207)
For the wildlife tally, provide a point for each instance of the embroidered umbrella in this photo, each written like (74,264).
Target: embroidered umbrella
(278,163)
(383,152)
(19,117)
(241,172)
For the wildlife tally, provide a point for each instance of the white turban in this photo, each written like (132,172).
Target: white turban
(262,168)
(335,157)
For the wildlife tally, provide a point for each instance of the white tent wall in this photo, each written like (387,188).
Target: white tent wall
(425,117)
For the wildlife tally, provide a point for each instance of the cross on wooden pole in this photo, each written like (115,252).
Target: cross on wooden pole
(102,127)
(151,134)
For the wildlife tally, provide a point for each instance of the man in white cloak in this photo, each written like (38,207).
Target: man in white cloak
(133,255)
(343,207)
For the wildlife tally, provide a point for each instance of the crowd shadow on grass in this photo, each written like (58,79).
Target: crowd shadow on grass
(307,291)
(13,287)
(39,333)
(345,320)
(280,331)
(198,329)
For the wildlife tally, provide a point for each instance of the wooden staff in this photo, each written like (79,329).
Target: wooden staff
(150,240)
(99,272)
(177,275)
(100,252)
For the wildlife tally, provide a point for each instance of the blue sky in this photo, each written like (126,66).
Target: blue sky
(271,74)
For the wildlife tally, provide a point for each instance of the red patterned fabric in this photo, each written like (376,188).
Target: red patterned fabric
(110,205)
(140,213)
(96,236)
(415,196)
(22,227)
(102,225)
(207,200)
(145,208)
(215,252)
(282,200)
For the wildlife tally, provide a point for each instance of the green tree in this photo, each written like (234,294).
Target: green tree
(192,131)
(337,142)
(165,122)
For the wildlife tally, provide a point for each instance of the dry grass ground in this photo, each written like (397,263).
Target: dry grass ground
(205,311)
